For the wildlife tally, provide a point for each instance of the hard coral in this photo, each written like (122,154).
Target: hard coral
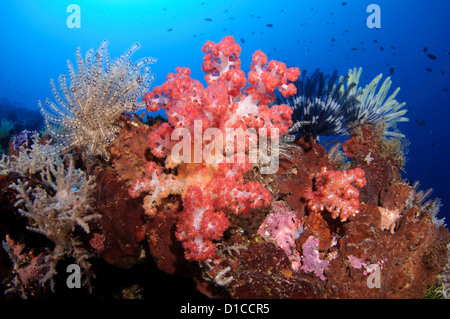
(335,193)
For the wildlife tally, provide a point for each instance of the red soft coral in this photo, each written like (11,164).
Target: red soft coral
(210,184)
(198,224)
(335,192)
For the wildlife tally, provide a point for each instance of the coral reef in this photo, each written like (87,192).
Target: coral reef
(232,194)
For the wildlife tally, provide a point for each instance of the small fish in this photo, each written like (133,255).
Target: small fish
(354,49)
(332,13)
(447,52)
(333,39)
(391,70)
(202,3)
(346,30)
(208,19)
(433,144)
(442,71)
(420,122)
(431,56)
(381,49)
(392,47)
(344,3)
(169,30)
(164,9)
(269,25)
(375,41)
(425,49)
(429,69)
(242,40)
(445,89)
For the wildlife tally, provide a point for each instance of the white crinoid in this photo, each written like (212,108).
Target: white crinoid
(86,107)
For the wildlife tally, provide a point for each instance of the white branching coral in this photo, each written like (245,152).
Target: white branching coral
(85,111)
(30,160)
(373,107)
(55,206)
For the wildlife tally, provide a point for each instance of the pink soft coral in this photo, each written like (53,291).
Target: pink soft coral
(312,262)
(282,227)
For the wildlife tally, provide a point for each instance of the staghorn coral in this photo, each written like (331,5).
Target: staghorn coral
(59,203)
(86,111)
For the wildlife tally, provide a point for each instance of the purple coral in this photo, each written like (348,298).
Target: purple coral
(23,138)
(282,228)
(311,258)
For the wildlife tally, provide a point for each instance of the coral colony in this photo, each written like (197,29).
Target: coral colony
(209,187)
(232,189)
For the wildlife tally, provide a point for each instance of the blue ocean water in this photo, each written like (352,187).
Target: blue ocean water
(36,42)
